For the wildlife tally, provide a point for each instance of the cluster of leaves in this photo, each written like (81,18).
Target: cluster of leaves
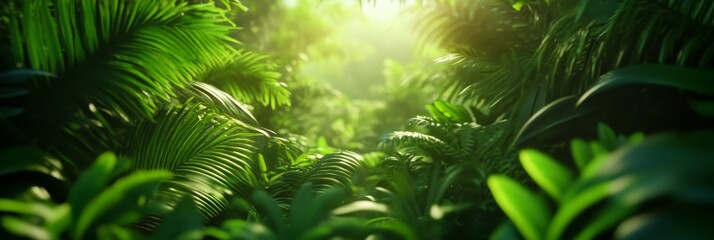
(554,69)
(443,160)
(626,188)
(540,51)
(102,80)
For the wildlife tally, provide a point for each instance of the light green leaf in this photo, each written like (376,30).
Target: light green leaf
(118,200)
(550,175)
(361,206)
(93,181)
(572,206)
(24,228)
(528,212)
(518,5)
(581,153)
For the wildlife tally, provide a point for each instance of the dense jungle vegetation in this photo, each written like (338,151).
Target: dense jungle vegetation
(357,119)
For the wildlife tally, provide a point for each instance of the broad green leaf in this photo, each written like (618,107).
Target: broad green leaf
(309,210)
(581,153)
(301,219)
(275,214)
(608,216)
(598,149)
(572,206)
(119,200)
(592,169)
(675,165)
(636,138)
(528,212)
(446,111)
(27,208)
(184,222)
(550,175)
(24,228)
(607,136)
(91,183)
(550,117)
(694,80)
(396,227)
(676,222)
(505,231)
(53,219)
(680,156)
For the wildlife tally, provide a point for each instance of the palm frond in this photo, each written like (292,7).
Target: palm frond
(427,124)
(491,27)
(500,81)
(581,47)
(334,170)
(219,100)
(210,155)
(114,53)
(399,139)
(249,78)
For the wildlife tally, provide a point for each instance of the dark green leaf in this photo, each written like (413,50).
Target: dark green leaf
(119,200)
(184,222)
(694,80)
(20,75)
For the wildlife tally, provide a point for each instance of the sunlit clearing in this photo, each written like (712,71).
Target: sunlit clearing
(383,12)
(353,58)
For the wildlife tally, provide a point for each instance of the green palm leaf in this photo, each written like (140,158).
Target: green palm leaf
(217,99)
(249,78)
(330,171)
(114,53)
(600,36)
(210,155)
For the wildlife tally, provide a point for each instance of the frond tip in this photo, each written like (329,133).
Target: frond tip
(249,78)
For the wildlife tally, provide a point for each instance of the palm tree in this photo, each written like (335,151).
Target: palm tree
(119,76)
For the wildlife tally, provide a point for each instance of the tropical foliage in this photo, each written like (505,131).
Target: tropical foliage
(186,119)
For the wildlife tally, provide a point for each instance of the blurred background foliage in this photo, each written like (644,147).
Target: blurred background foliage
(364,119)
